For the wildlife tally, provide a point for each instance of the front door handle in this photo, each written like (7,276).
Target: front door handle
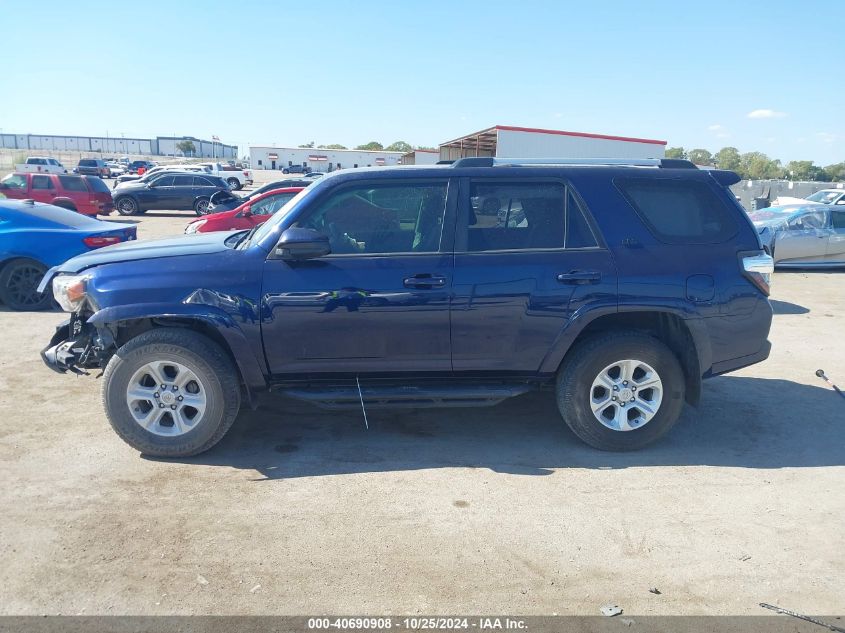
(425,280)
(580,277)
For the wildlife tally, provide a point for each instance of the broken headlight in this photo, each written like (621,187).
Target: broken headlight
(70,291)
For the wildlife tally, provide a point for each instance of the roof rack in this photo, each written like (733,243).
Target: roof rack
(488,161)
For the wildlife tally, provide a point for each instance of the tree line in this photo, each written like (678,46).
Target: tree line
(758,166)
(373,146)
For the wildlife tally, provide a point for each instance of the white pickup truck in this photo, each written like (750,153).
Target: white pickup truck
(41,164)
(235,176)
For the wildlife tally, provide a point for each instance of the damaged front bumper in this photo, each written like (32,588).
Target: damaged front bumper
(76,346)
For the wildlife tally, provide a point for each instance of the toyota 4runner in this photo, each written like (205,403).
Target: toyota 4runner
(619,285)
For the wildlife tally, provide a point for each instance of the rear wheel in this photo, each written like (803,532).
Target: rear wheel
(235,184)
(171,392)
(620,391)
(19,281)
(201,206)
(126,206)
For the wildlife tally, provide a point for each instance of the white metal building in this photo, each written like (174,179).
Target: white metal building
(421,157)
(506,141)
(116,145)
(318,159)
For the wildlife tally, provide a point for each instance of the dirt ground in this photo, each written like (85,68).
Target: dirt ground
(303,511)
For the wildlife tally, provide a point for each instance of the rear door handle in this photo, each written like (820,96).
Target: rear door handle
(580,277)
(425,280)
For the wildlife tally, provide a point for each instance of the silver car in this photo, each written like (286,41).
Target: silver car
(803,236)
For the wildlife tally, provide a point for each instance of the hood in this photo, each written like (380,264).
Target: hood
(200,244)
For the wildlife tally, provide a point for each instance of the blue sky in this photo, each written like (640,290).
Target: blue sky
(269,72)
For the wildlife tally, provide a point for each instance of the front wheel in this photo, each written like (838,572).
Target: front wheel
(126,206)
(235,184)
(201,206)
(19,281)
(171,392)
(620,391)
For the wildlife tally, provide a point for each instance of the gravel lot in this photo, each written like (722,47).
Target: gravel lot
(500,510)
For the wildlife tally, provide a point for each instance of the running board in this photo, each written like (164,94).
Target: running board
(393,397)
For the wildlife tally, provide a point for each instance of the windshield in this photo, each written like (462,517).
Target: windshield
(281,214)
(772,213)
(825,197)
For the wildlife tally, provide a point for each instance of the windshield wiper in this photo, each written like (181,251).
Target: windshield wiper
(246,238)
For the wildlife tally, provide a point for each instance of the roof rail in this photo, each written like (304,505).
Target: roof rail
(489,161)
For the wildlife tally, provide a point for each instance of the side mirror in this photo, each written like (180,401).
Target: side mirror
(300,243)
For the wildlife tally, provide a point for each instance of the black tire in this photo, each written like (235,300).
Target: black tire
(19,279)
(201,206)
(286,171)
(126,205)
(584,364)
(203,357)
(235,184)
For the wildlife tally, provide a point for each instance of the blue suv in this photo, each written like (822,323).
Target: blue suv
(618,285)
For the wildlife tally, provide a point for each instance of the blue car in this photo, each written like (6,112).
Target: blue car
(616,287)
(35,236)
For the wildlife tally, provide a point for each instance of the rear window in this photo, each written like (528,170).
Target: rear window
(98,185)
(679,211)
(73,183)
(88,163)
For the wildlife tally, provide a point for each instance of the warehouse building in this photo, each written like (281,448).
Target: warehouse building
(158,146)
(318,159)
(421,157)
(506,141)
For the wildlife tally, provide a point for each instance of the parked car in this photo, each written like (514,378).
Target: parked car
(627,285)
(116,169)
(313,175)
(824,196)
(92,167)
(41,164)
(227,200)
(158,169)
(135,165)
(176,191)
(802,236)
(36,236)
(86,194)
(237,178)
(296,169)
(251,213)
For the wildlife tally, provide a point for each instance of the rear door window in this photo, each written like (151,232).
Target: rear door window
(678,211)
(73,183)
(42,183)
(183,181)
(525,216)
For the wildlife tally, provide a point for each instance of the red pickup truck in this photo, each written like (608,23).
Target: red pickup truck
(87,195)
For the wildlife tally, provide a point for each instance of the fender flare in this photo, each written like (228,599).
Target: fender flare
(248,365)
(583,317)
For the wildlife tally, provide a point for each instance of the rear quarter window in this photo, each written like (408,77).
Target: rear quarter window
(98,185)
(73,183)
(679,211)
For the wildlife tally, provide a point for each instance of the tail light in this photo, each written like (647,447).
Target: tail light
(97,241)
(246,174)
(758,268)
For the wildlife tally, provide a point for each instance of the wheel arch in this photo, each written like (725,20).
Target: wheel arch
(127,322)
(686,337)
(64,202)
